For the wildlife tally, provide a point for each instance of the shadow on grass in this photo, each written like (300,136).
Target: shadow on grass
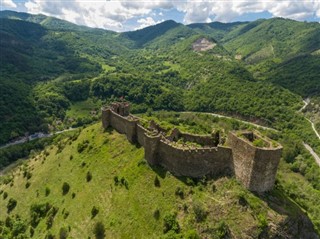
(297,222)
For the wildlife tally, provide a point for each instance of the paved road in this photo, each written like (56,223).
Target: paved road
(316,157)
(33,137)
(228,117)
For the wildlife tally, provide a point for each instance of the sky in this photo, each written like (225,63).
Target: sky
(125,15)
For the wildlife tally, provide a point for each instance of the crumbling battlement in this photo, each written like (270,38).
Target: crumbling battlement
(255,167)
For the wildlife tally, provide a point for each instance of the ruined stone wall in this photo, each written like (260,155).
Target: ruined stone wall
(141,137)
(206,140)
(255,167)
(195,162)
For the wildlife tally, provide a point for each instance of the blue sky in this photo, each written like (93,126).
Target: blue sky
(124,15)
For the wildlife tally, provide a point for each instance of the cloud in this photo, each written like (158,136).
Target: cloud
(146,22)
(8,4)
(227,11)
(115,14)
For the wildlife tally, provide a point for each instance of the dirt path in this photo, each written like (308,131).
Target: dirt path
(306,102)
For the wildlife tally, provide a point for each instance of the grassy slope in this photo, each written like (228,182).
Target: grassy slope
(128,212)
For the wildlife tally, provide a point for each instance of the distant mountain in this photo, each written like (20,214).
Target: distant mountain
(273,38)
(145,35)
(217,30)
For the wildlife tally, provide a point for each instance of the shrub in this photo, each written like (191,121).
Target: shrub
(124,182)
(156,182)
(94,211)
(49,236)
(170,223)
(99,230)
(116,180)
(191,234)
(71,157)
(66,214)
(5,195)
(38,211)
(51,214)
(179,192)
(89,176)
(12,203)
(47,191)
(31,231)
(63,233)
(28,184)
(73,195)
(200,212)
(82,146)
(221,231)
(65,188)
(156,214)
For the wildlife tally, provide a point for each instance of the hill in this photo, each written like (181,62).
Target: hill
(120,195)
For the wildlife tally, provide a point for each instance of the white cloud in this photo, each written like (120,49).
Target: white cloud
(115,14)
(8,3)
(146,22)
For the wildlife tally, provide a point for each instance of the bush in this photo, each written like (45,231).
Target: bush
(170,223)
(12,203)
(156,214)
(156,182)
(28,184)
(116,180)
(63,233)
(191,234)
(38,211)
(47,191)
(200,212)
(89,176)
(5,195)
(49,236)
(124,182)
(51,214)
(94,211)
(179,192)
(65,188)
(82,146)
(99,230)
(221,231)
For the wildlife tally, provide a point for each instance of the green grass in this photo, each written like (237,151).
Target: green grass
(82,109)
(129,211)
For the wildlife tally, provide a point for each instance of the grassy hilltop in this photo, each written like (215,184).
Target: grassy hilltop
(111,188)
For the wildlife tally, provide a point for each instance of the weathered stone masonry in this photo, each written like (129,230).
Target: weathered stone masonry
(254,167)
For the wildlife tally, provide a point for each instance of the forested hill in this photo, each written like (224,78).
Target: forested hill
(46,60)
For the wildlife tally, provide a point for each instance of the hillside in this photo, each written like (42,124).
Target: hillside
(118,193)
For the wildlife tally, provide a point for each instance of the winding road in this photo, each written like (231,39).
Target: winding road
(38,135)
(311,151)
(228,117)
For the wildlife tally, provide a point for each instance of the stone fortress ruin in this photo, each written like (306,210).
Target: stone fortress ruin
(255,166)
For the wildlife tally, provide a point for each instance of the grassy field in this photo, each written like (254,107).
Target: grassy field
(132,200)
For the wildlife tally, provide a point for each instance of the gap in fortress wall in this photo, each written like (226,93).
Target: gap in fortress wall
(250,157)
